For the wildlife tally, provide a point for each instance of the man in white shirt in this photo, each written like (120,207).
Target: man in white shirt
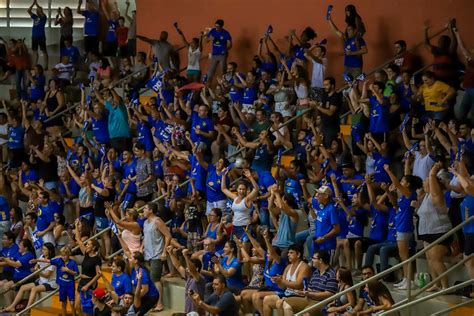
(317,54)
(65,70)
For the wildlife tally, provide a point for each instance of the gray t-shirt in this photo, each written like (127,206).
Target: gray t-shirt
(197,287)
(162,51)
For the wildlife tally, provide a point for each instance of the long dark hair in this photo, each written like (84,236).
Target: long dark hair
(351,18)
(233,245)
(29,246)
(51,250)
(376,290)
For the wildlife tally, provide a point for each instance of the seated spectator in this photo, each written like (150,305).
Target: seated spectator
(436,96)
(221,301)
(381,297)
(71,51)
(65,71)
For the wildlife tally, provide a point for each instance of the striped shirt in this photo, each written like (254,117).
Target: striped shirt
(323,282)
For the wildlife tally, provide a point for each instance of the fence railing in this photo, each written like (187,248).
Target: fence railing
(390,270)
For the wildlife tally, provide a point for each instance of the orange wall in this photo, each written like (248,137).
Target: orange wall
(386,21)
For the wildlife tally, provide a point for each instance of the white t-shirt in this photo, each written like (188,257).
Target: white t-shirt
(193,59)
(422,165)
(65,71)
(317,76)
(3,131)
(51,280)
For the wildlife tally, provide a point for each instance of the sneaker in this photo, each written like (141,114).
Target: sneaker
(405,285)
(399,282)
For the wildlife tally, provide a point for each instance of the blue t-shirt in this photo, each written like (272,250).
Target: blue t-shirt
(378,224)
(100,128)
(91,23)
(117,121)
(64,278)
(45,216)
(271,271)
(121,284)
(250,95)
(352,45)
(4,209)
(326,218)
(293,187)
(343,224)
(25,268)
(72,52)
(111,36)
(219,41)
(213,185)
(236,279)
(146,280)
(379,116)
(204,124)
(39,23)
(348,188)
(15,137)
(37,89)
(467,210)
(392,228)
(380,174)
(198,173)
(262,160)
(404,217)
(265,180)
(10,253)
(129,170)
(357,222)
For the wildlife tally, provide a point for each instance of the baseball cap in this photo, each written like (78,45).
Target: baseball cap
(325,190)
(98,293)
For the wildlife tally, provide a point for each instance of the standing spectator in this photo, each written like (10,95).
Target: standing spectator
(221,302)
(404,59)
(221,44)
(110,45)
(69,50)
(10,250)
(156,237)
(119,130)
(466,108)
(435,95)
(16,133)
(317,54)
(66,21)
(20,60)
(162,49)
(327,221)
(329,107)
(66,271)
(132,30)
(423,156)
(55,101)
(122,33)
(141,278)
(144,178)
(354,47)
(37,82)
(193,71)
(38,37)
(91,25)
(45,220)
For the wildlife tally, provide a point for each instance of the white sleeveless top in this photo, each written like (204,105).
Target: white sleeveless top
(241,213)
(193,59)
(292,278)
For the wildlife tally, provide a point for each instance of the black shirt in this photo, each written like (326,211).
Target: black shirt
(105,312)
(331,122)
(88,268)
(48,171)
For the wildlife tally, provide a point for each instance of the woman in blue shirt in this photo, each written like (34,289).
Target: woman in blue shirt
(149,294)
(230,267)
(406,190)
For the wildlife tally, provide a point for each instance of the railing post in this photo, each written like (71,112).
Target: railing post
(409,273)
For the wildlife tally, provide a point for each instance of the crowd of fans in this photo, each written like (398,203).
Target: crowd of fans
(248,233)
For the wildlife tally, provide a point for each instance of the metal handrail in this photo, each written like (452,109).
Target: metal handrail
(428,297)
(441,312)
(439,277)
(113,85)
(389,270)
(294,118)
(41,300)
(22,281)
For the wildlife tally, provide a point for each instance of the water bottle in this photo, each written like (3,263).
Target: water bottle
(421,280)
(305,284)
(426,277)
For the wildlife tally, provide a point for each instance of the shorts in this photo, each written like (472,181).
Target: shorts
(38,41)
(47,286)
(283,108)
(239,232)
(109,49)
(468,243)
(404,236)
(217,204)
(123,51)
(430,238)
(193,72)
(6,276)
(66,292)
(101,223)
(365,242)
(91,44)
(156,269)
